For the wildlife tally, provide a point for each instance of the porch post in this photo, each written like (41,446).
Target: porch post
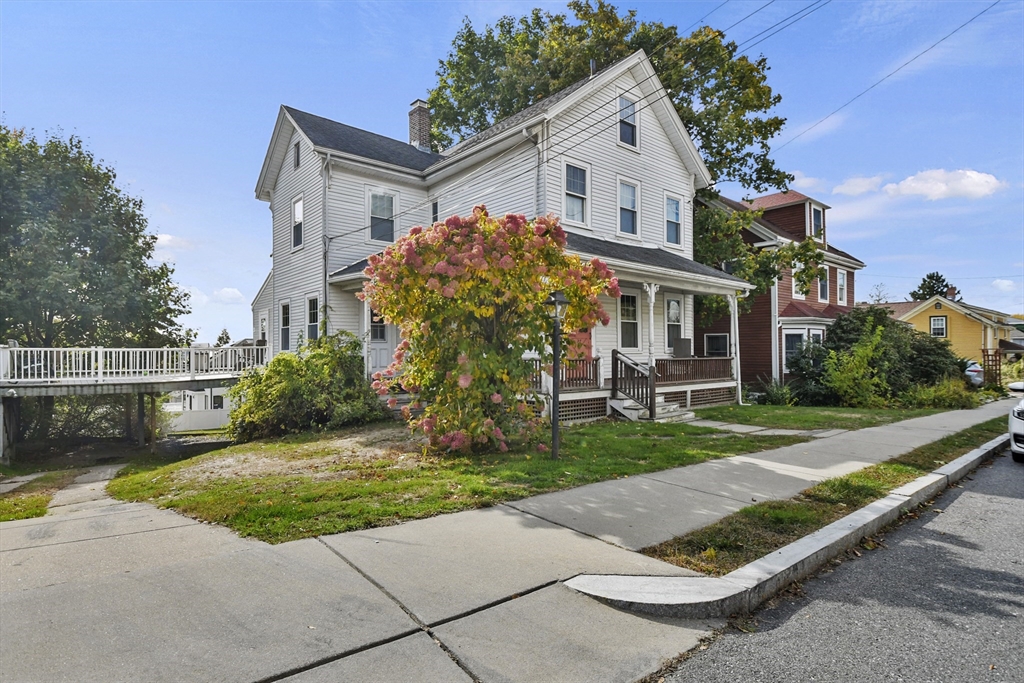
(734,341)
(651,289)
(366,337)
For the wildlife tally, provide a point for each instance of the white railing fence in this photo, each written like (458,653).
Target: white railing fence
(99,364)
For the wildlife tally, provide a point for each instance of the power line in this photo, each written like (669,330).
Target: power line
(707,15)
(800,18)
(777,23)
(973,277)
(886,77)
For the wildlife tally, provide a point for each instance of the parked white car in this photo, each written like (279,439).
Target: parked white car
(1017,432)
(975,373)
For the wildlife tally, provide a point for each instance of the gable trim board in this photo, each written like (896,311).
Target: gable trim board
(972,312)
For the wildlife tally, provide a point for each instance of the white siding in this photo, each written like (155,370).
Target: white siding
(505,184)
(264,301)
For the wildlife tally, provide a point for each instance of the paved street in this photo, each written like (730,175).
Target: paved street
(943,602)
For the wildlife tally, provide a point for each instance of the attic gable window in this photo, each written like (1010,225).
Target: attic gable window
(295,153)
(382,217)
(297,222)
(627,122)
(817,223)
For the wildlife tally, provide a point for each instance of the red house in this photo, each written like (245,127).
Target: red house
(782,319)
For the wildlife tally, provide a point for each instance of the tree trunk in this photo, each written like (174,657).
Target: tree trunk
(45,422)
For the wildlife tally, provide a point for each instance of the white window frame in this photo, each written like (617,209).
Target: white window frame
(945,326)
(636,121)
(811,207)
(619,182)
(682,318)
(298,199)
(284,342)
(381,324)
(587,200)
(396,209)
(296,154)
(797,294)
(682,203)
(827,288)
(316,298)
(728,348)
(841,286)
(805,335)
(639,327)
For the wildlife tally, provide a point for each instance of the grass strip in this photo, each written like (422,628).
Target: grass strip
(805,417)
(308,485)
(760,529)
(31,498)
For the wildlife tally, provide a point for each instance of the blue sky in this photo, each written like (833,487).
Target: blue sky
(925,172)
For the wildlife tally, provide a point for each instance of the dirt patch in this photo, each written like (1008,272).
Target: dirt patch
(343,457)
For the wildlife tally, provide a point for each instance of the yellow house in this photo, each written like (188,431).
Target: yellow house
(969,329)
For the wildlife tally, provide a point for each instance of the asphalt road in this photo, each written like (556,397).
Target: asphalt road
(943,601)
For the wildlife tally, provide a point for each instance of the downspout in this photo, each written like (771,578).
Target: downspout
(325,172)
(775,332)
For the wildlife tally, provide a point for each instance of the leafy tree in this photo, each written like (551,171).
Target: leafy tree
(322,387)
(223,339)
(722,97)
(75,255)
(718,241)
(934,284)
(853,375)
(468,298)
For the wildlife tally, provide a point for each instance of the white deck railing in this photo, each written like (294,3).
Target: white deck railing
(97,364)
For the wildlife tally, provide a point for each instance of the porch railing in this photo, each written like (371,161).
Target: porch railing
(683,370)
(99,364)
(633,380)
(576,374)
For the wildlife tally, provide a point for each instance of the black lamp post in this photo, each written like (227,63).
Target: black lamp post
(558,304)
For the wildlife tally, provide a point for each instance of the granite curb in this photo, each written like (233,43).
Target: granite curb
(744,589)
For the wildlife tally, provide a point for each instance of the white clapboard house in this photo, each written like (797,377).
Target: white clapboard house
(608,155)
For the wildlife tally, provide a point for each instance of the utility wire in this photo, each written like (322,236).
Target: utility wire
(886,77)
(779,22)
(816,8)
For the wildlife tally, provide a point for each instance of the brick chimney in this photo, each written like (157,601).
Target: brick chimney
(951,293)
(419,125)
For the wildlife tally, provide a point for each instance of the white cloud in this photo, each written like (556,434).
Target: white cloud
(942,184)
(196,296)
(805,182)
(815,130)
(228,295)
(165,241)
(858,185)
(1005,285)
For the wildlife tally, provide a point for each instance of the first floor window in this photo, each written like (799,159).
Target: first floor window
(792,341)
(938,325)
(312,318)
(816,336)
(673,321)
(286,327)
(297,223)
(629,321)
(627,208)
(575,194)
(716,345)
(382,217)
(378,330)
(218,402)
(673,233)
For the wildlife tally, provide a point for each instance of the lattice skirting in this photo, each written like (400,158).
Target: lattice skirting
(582,409)
(703,397)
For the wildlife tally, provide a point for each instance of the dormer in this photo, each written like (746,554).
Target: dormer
(799,215)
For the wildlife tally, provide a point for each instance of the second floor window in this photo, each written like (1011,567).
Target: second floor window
(823,287)
(575,194)
(382,217)
(938,325)
(627,208)
(297,223)
(817,223)
(627,122)
(673,232)
(312,318)
(286,327)
(434,212)
(841,287)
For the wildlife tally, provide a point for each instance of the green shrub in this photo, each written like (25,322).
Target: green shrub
(854,376)
(951,393)
(324,386)
(775,393)
(1013,371)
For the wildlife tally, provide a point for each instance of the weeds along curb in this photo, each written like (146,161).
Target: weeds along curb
(739,592)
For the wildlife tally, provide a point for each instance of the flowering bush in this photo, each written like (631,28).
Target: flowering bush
(468,298)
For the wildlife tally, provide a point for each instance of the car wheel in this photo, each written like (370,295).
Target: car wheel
(1018,456)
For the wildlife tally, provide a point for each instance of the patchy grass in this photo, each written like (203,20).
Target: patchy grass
(307,485)
(760,529)
(804,417)
(31,498)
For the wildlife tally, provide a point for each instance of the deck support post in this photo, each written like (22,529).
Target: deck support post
(140,420)
(152,423)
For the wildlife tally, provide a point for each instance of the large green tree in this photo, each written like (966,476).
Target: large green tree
(934,284)
(75,257)
(722,97)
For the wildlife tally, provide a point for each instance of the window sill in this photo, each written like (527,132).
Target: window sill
(632,148)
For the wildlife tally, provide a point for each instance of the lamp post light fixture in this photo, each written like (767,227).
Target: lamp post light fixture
(558,305)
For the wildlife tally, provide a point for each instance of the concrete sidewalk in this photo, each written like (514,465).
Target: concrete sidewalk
(106,591)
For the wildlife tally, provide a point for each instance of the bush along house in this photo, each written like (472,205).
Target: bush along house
(608,155)
(783,319)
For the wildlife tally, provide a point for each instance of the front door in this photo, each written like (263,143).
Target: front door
(383,340)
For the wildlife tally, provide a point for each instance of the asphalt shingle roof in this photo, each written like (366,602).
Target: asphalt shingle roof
(361,143)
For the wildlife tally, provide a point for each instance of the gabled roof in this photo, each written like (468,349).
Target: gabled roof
(798,309)
(328,134)
(902,310)
(780,199)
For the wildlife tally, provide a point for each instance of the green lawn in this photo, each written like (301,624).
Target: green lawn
(803,417)
(760,529)
(31,498)
(284,489)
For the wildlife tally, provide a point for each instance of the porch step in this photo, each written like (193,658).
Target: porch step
(679,414)
(664,411)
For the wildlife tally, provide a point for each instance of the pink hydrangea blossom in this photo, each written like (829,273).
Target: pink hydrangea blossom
(465,380)
(496,397)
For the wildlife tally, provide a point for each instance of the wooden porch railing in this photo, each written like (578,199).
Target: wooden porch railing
(576,374)
(633,380)
(683,370)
